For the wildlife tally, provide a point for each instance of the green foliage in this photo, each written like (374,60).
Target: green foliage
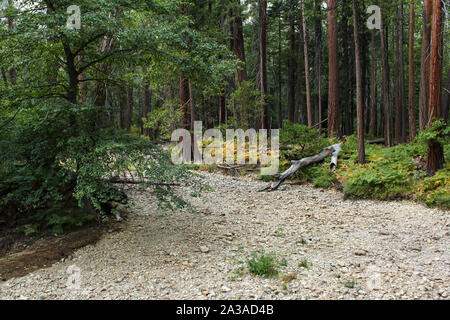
(388,174)
(391,173)
(305,141)
(160,120)
(439,131)
(350,283)
(435,190)
(245,104)
(304,264)
(263,264)
(60,156)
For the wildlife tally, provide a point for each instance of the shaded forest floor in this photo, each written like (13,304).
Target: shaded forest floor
(330,248)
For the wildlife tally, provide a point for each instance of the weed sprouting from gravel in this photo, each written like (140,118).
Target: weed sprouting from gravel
(350,283)
(304,264)
(263,264)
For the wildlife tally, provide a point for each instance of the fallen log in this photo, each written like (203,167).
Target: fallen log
(119,181)
(380,141)
(296,165)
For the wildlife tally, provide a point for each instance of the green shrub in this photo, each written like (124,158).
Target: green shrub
(435,191)
(55,159)
(263,264)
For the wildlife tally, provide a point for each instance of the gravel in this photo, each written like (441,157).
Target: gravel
(354,249)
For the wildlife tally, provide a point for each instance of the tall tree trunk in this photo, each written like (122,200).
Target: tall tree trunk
(402,76)
(318,64)
(185,122)
(435,159)
(222,109)
(292,65)
(359,102)
(238,43)
(300,100)
(280,108)
(184,103)
(308,87)
(398,105)
(386,98)
(264,124)
(333,87)
(192,105)
(123,105)
(373,86)
(412,112)
(146,101)
(12,72)
(425,67)
(129,110)
(239,51)
(446,97)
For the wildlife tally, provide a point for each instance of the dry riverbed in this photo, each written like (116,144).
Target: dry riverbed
(332,248)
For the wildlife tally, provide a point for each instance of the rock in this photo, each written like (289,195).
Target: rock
(225,289)
(204,249)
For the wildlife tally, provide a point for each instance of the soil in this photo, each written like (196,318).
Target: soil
(19,256)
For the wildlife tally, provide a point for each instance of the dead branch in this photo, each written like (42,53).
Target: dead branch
(296,165)
(119,181)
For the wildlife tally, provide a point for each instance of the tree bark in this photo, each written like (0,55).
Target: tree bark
(398,105)
(333,116)
(318,64)
(146,102)
(184,103)
(359,103)
(307,81)
(412,112)
(435,159)
(264,124)
(300,100)
(402,77)
(425,67)
(446,97)
(373,86)
(386,98)
(292,65)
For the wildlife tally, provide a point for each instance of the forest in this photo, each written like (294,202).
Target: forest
(91,92)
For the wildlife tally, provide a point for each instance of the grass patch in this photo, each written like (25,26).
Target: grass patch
(304,264)
(350,283)
(263,264)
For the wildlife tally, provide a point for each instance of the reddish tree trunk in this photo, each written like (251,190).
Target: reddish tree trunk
(359,103)
(318,64)
(373,85)
(425,67)
(398,103)
(435,159)
(184,103)
(386,98)
(263,62)
(333,117)
(412,112)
